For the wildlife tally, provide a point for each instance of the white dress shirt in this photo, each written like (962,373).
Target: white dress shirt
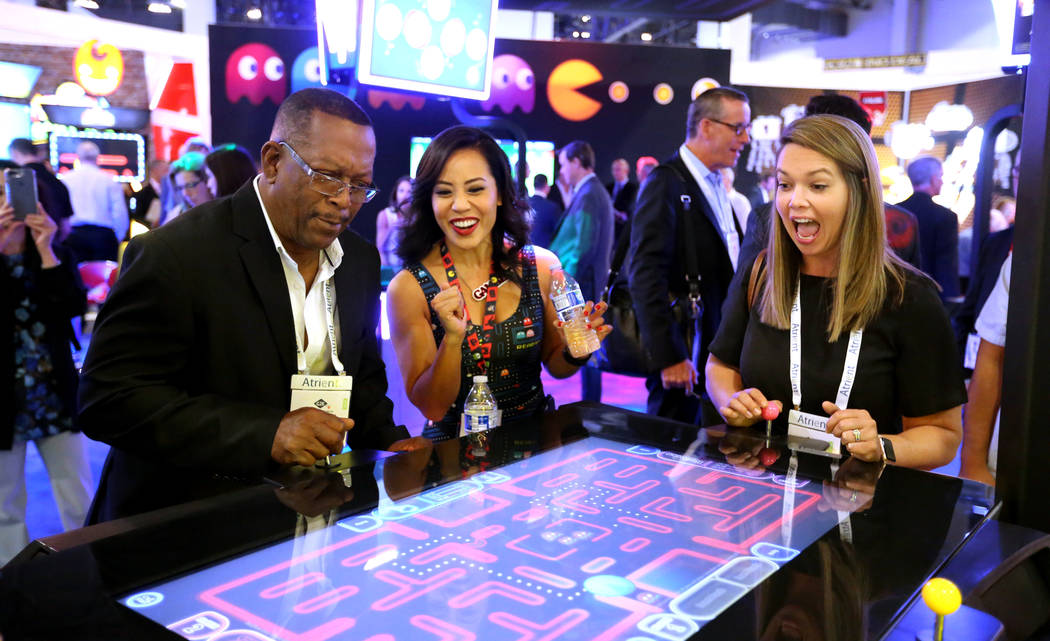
(991,323)
(714,190)
(97,199)
(308,308)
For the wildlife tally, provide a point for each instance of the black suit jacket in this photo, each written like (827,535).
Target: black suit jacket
(938,241)
(624,201)
(656,270)
(187,376)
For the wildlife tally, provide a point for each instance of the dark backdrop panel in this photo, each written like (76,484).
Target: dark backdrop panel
(636,127)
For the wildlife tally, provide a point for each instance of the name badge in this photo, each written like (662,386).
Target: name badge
(327,393)
(808,432)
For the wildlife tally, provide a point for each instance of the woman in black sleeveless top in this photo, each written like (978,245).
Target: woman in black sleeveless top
(473,298)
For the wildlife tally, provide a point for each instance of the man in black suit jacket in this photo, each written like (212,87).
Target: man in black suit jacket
(623,192)
(545,213)
(938,226)
(717,129)
(188,373)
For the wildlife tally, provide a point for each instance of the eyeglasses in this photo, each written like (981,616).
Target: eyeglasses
(329,186)
(737,129)
(188,186)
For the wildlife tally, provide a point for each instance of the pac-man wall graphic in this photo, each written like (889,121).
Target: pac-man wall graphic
(255,71)
(702,85)
(98,68)
(563,87)
(513,85)
(396,101)
(663,93)
(619,91)
(306,70)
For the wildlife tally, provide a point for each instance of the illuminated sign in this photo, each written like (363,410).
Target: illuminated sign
(16,81)
(123,155)
(875,62)
(99,68)
(445,48)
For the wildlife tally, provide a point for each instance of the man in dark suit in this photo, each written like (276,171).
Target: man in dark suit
(583,240)
(902,229)
(188,374)
(545,212)
(623,191)
(717,128)
(938,226)
(53,194)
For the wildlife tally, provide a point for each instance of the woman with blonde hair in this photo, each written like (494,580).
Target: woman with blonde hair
(830,323)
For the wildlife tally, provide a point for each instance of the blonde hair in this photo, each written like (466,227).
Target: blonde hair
(866,264)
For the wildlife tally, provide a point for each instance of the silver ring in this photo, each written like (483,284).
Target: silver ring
(853,497)
(856,435)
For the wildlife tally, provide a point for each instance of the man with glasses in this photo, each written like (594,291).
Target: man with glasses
(189,375)
(688,185)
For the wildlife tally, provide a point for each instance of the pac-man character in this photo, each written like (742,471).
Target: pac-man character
(397,101)
(562,90)
(306,70)
(255,71)
(98,68)
(513,85)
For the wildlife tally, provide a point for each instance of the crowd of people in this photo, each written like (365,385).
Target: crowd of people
(721,282)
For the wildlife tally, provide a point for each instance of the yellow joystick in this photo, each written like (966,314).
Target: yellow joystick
(943,597)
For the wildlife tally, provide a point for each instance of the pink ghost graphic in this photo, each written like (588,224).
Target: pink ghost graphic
(255,71)
(513,85)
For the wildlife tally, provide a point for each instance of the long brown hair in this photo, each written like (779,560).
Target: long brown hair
(866,265)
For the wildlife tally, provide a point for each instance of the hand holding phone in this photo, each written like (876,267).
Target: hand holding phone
(20,191)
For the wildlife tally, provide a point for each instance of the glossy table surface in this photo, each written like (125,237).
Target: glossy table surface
(591,522)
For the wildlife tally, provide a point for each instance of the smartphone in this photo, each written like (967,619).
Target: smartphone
(20,190)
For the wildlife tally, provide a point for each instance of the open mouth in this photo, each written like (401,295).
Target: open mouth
(464,226)
(806,229)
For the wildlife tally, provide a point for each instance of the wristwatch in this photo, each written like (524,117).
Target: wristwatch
(887,450)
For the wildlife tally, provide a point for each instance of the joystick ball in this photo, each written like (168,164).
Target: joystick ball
(768,456)
(941,596)
(770,412)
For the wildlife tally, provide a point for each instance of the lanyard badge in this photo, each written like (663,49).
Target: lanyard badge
(327,393)
(807,431)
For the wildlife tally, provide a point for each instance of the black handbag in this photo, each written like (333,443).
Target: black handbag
(622,351)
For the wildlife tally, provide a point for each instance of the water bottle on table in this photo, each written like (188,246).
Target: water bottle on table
(569,303)
(479,411)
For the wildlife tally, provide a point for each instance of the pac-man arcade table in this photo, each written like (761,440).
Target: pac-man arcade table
(590,523)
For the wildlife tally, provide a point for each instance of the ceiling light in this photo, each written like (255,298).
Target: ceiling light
(255,13)
(585,18)
(646,36)
(585,34)
(178,4)
(159,7)
(575,34)
(86,4)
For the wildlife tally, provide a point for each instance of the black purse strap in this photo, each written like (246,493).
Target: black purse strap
(692,267)
(692,261)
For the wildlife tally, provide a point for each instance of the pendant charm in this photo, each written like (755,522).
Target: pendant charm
(480,292)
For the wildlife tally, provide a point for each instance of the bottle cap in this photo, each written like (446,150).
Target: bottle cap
(481,379)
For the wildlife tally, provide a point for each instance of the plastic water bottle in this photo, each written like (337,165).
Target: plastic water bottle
(479,411)
(569,303)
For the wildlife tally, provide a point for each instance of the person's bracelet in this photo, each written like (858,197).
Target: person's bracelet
(572,360)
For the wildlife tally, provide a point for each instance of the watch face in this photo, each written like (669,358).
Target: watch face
(887,446)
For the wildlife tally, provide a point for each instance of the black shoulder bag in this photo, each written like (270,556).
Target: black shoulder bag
(622,351)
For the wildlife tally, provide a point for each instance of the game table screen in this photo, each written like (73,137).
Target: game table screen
(594,540)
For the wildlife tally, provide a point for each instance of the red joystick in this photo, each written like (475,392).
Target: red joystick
(768,456)
(770,412)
